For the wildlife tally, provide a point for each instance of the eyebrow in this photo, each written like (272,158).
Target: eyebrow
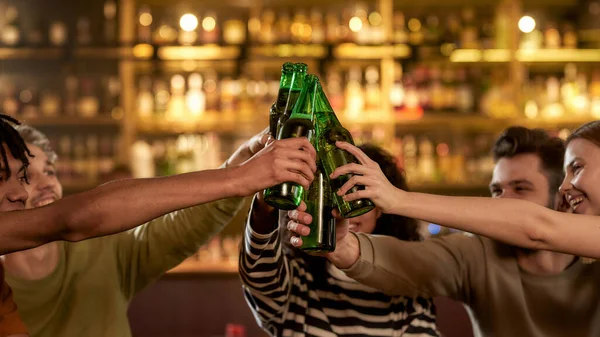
(571,163)
(513,182)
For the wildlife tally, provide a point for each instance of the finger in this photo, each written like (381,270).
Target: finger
(360,194)
(336,213)
(299,168)
(296,241)
(303,156)
(353,181)
(301,143)
(301,217)
(258,143)
(302,207)
(358,153)
(295,177)
(349,168)
(298,228)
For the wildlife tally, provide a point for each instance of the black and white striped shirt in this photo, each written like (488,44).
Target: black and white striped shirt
(286,300)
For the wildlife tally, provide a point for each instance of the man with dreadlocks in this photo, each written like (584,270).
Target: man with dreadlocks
(121,205)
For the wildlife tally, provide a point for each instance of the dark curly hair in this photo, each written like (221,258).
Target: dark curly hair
(400,227)
(10,138)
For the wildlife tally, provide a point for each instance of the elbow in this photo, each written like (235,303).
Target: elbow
(539,230)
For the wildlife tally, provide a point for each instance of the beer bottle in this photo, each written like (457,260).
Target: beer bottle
(287,196)
(319,204)
(294,92)
(328,131)
(278,107)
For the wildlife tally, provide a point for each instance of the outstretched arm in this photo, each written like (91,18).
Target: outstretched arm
(517,222)
(124,204)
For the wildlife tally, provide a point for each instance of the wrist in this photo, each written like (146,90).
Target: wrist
(235,182)
(398,201)
(346,253)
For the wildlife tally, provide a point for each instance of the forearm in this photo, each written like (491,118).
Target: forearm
(114,207)
(512,221)
(264,218)
(433,268)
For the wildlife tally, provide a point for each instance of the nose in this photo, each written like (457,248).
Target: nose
(565,186)
(16,191)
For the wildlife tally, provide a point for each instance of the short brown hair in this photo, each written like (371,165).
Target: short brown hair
(551,151)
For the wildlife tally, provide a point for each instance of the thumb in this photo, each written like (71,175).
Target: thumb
(259,142)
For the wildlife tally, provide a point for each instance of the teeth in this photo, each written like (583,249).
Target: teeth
(44,203)
(575,202)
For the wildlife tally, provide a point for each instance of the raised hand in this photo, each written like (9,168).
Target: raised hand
(287,160)
(368,174)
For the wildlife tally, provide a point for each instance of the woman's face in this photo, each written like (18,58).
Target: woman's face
(365,223)
(581,186)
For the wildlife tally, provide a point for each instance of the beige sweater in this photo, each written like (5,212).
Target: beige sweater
(507,301)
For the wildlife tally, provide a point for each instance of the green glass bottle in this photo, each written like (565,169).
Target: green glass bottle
(319,204)
(287,196)
(278,107)
(328,131)
(300,70)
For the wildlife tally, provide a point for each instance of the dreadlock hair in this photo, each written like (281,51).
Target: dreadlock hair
(15,144)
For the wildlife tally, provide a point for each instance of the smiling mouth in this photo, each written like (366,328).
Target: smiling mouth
(44,202)
(574,202)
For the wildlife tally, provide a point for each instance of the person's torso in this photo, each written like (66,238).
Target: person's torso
(337,306)
(82,297)
(515,303)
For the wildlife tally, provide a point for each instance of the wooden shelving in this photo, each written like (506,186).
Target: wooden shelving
(63,121)
(191,266)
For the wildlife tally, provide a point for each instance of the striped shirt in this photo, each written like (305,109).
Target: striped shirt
(286,300)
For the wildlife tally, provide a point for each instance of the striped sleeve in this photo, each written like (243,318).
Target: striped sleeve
(265,274)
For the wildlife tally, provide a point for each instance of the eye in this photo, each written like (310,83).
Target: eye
(576,168)
(50,172)
(495,192)
(521,188)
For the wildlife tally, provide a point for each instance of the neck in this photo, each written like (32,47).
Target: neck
(543,262)
(33,263)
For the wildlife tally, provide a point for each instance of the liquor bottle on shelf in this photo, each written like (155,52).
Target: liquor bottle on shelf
(88,105)
(144,27)
(195,97)
(110,22)
(84,35)
(57,33)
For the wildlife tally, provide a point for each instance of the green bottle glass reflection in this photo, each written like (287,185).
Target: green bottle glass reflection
(329,130)
(319,204)
(300,70)
(287,196)
(278,107)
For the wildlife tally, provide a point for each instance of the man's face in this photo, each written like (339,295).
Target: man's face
(44,187)
(13,194)
(521,177)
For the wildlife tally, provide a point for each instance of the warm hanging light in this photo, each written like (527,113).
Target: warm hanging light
(526,24)
(355,24)
(188,22)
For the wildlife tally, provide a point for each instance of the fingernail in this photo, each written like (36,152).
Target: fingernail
(295,241)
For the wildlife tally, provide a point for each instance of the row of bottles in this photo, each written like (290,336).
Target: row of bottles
(84,157)
(190,96)
(175,155)
(44,30)
(83,96)
(427,160)
(575,94)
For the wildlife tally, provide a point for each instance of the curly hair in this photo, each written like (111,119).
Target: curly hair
(10,138)
(400,227)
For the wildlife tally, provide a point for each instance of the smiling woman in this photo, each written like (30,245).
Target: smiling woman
(582,168)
